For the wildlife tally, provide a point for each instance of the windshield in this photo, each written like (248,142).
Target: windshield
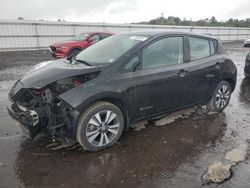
(109,49)
(79,37)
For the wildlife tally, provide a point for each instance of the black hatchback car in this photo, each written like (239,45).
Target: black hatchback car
(120,80)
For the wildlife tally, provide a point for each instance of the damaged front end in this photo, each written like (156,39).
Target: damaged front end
(42,109)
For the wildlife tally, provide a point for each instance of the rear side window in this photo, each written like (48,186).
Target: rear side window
(164,52)
(104,35)
(95,38)
(199,48)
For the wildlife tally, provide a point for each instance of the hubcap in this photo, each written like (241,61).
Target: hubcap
(222,97)
(102,128)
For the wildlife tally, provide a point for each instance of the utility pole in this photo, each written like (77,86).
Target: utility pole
(162,21)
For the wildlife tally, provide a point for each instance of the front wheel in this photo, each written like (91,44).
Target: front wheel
(221,97)
(246,74)
(73,53)
(99,126)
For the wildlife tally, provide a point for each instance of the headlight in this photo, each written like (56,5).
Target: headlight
(62,48)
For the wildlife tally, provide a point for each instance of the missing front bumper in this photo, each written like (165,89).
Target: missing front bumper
(22,114)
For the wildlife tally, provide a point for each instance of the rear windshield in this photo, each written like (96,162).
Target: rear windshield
(109,49)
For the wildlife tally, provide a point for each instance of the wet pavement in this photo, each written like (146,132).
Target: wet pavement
(171,152)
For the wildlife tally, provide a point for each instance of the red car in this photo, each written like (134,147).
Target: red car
(78,43)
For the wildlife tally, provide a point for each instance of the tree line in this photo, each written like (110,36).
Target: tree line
(212,22)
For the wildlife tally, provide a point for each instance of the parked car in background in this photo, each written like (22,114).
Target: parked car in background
(247,66)
(76,44)
(125,78)
(246,43)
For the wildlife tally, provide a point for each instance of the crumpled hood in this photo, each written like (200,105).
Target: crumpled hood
(48,72)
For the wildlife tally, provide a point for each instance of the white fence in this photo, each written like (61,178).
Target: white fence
(24,35)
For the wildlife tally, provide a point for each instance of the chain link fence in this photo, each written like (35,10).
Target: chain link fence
(29,35)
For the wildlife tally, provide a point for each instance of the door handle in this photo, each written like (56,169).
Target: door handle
(182,73)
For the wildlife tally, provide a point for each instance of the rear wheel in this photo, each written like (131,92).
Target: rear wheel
(221,97)
(100,126)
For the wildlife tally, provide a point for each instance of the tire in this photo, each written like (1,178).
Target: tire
(73,53)
(99,126)
(246,75)
(220,94)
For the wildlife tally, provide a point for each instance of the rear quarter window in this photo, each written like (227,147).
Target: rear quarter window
(212,47)
(215,42)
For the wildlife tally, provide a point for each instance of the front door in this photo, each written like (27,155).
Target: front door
(162,84)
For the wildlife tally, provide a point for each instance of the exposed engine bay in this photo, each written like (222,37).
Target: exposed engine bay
(42,109)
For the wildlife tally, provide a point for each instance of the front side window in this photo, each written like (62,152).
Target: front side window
(164,52)
(199,48)
(80,37)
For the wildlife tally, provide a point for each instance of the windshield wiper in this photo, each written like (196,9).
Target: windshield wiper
(81,61)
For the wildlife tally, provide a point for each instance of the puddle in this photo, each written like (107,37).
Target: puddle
(238,154)
(217,173)
(221,171)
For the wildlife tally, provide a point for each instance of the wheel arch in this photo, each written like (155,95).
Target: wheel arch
(231,82)
(229,79)
(74,48)
(113,98)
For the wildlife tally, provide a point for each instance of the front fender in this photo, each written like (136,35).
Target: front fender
(81,97)
(99,97)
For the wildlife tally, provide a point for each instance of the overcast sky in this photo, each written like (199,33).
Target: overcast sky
(122,11)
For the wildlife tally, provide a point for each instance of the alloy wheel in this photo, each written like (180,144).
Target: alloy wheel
(222,97)
(102,128)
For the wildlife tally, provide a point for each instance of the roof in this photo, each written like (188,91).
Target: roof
(94,32)
(167,32)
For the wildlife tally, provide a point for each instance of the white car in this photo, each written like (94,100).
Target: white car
(246,43)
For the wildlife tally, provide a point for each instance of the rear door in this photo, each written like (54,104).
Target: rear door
(205,65)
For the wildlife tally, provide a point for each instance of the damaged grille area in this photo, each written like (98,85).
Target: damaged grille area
(43,109)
